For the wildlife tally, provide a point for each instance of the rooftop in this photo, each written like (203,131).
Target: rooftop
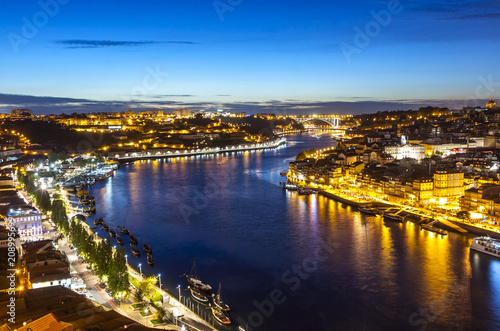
(65,306)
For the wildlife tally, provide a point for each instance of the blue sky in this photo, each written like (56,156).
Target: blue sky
(250,55)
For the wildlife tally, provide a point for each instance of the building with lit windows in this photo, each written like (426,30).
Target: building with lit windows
(448,184)
(400,152)
(27,219)
(45,265)
(423,189)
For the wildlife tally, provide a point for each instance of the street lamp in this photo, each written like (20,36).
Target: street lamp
(159,279)
(140,269)
(126,260)
(179,288)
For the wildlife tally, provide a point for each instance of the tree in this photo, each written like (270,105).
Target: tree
(146,285)
(301,156)
(463,215)
(52,157)
(43,200)
(138,296)
(118,274)
(160,313)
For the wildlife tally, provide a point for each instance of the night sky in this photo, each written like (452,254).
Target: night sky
(251,55)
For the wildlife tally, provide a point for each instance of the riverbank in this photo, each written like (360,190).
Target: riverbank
(164,153)
(413,216)
(175,308)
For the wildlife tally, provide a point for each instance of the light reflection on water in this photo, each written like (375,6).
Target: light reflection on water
(229,214)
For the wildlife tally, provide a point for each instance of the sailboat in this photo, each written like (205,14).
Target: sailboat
(135,251)
(195,282)
(150,260)
(218,301)
(197,295)
(220,316)
(132,239)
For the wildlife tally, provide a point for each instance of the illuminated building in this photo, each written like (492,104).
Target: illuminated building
(400,152)
(491,104)
(448,184)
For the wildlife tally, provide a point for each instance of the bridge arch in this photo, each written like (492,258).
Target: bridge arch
(334,122)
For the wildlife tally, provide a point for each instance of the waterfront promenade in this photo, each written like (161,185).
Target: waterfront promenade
(164,153)
(445,220)
(99,295)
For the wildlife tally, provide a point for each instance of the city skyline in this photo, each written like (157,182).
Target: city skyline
(283,57)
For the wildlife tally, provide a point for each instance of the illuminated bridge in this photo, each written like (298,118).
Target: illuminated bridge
(333,120)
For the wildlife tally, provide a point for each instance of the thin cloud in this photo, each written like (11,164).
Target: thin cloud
(161,96)
(473,17)
(54,105)
(83,43)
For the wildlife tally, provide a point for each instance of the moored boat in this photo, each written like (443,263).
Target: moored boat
(119,240)
(197,295)
(218,301)
(133,240)
(393,217)
(305,191)
(123,231)
(146,248)
(135,251)
(486,245)
(434,229)
(105,227)
(195,282)
(290,187)
(368,211)
(112,233)
(150,260)
(220,316)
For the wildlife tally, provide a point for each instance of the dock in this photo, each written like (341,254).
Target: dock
(453,226)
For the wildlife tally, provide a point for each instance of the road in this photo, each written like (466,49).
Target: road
(99,295)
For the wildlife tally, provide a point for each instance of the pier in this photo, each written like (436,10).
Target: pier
(452,225)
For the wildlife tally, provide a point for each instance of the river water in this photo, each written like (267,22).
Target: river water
(290,262)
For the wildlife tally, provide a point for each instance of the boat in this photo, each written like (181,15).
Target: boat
(429,227)
(147,249)
(99,221)
(150,260)
(124,231)
(105,227)
(218,301)
(112,233)
(135,251)
(368,211)
(133,240)
(290,187)
(305,191)
(119,240)
(195,282)
(89,209)
(393,217)
(220,316)
(486,245)
(197,295)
